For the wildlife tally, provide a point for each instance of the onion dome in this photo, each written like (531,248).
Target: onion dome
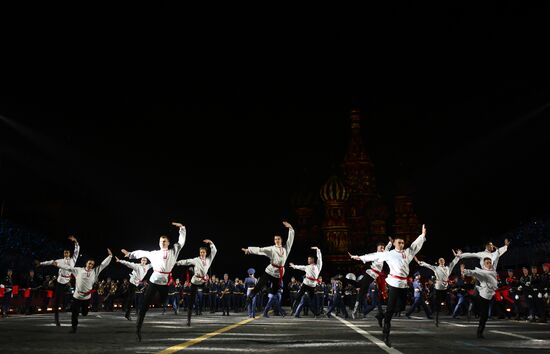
(334,190)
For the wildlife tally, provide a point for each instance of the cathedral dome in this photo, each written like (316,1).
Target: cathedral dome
(334,190)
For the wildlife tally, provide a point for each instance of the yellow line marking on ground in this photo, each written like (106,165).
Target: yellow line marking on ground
(202,338)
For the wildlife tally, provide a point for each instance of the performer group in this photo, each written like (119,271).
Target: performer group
(155,268)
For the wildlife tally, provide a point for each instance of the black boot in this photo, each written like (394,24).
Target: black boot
(437,319)
(138,333)
(380,318)
(480,333)
(386,334)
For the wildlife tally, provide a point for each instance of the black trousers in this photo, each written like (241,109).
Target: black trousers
(76,307)
(262,281)
(192,297)
(59,296)
(440,296)
(397,298)
(130,297)
(150,292)
(483,313)
(363,286)
(303,289)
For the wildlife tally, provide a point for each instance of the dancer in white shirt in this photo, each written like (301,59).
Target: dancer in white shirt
(201,265)
(162,262)
(139,270)
(489,252)
(276,269)
(373,273)
(313,269)
(63,277)
(398,260)
(442,273)
(487,277)
(85,279)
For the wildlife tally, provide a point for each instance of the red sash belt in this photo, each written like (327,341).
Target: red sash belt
(398,277)
(313,279)
(281,270)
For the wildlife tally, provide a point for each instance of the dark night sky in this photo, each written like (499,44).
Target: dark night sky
(112,148)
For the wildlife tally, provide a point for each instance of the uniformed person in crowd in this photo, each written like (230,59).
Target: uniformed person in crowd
(226,290)
(293,288)
(538,294)
(526,289)
(419,295)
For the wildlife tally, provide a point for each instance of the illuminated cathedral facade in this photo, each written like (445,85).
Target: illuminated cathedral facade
(352,215)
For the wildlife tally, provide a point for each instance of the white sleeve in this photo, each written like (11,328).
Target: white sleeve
(67,267)
(130,265)
(289,241)
(319,259)
(213,252)
(186,262)
(495,262)
(375,256)
(262,251)
(47,263)
(388,246)
(139,254)
(478,273)
(181,240)
(478,255)
(299,267)
(453,263)
(76,252)
(416,245)
(426,265)
(104,264)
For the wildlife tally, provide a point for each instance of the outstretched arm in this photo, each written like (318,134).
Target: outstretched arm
(495,262)
(76,251)
(62,265)
(479,273)
(453,263)
(388,246)
(133,266)
(185,262)
(136,254)
(105,262)
(213,249)
(299,267)
(181,240)
(46,263)
(261,251)
(290,239)
(504,248)
(373,257)
(417,244)
(319,257)
(425,265)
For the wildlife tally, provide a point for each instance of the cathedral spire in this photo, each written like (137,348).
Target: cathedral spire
(357,166)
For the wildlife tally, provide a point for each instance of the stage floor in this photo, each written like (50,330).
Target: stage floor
(106,332)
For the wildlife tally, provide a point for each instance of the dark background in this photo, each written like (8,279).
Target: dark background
(111,136)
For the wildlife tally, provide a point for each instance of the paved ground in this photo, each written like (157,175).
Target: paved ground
(111,333)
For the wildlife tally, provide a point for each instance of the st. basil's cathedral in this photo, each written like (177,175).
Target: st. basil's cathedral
(352,215)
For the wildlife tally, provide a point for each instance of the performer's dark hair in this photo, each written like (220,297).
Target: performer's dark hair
(203,248)
(380,244)
(487,258)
